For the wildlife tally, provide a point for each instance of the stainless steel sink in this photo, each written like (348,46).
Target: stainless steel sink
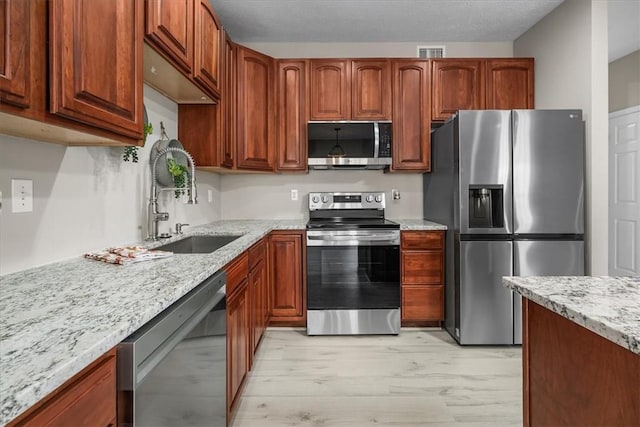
(198,244)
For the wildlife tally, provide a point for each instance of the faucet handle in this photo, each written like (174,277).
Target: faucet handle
(179,227)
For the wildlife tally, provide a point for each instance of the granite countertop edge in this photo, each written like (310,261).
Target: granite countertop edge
(607,306)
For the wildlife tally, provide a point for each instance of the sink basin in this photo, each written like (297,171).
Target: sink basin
(198,244)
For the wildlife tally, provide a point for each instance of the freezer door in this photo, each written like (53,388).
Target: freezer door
(484,146)
(544,258)
(548,171)
(486,307)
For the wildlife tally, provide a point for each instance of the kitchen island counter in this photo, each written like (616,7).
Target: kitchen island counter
(580,353)
(58,318)
(608,306)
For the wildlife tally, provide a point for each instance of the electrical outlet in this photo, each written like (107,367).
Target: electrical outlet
(294,194)
(395,194)
(21,195)
(210,196)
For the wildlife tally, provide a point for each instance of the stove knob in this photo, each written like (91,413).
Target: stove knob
(369,198)
(325,198)
(315,199)
(379,198)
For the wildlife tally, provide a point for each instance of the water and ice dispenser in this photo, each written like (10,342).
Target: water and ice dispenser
(486,206)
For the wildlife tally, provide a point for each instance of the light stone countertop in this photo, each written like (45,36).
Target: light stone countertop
(58,318)
(607,306)
(418,224)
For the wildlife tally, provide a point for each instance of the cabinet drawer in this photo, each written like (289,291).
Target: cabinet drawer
(422,303)
(422,267)
(237,272)
(257,253)
(422,239)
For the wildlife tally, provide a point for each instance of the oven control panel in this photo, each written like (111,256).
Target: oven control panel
(361,200)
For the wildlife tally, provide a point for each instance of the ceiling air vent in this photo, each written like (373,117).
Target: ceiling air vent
(427,52)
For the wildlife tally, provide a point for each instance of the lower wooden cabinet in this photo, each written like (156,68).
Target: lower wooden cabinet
(89,398)
(422,277)
(238,333)
(287,261)
(258,291)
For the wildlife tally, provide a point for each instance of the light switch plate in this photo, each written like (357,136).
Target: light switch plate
(294,194)
(21,195)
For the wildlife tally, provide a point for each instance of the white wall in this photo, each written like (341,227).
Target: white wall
(269,196)
(386,50)
(570,50)
(87,198)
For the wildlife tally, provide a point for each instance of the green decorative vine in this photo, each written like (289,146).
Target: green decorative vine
(131,152)
(180,175)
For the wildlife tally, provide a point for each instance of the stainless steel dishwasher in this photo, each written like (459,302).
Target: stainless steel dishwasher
(172,371)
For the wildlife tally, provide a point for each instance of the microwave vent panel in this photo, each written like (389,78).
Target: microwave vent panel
(428,52)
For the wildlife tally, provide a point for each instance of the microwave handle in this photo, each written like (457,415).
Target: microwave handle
(376,140)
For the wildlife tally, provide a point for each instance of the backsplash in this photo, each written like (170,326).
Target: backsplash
(87,198)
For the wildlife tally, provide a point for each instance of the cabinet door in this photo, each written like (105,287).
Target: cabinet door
(238,341)
(227,105)
(370,90)
(509,84)
(411,116)
(330,90)
(206,69)
(255,111)
(257,283)
(287,260)
(292,115)
(422,303)
(15,30)
(169,29)
(458,84)
(96,63)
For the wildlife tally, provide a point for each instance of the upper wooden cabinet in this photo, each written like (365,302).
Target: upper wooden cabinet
(187,34)
(228,104)
(15,29)
(71,71)
(370,89)
(169,28)
(255,110)
(291,132)
(509,83)
(411,116)
(458,84)
(96,63)
(208,33)
(330,89)
(342,89)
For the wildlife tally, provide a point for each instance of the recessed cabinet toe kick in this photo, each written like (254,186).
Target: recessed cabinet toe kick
(179,354)
(353,266)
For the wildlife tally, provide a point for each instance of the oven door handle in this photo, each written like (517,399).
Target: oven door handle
(382,239)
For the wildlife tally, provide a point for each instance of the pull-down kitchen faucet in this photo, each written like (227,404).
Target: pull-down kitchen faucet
(153,215)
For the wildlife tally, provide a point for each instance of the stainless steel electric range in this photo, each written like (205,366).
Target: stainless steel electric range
(353,265)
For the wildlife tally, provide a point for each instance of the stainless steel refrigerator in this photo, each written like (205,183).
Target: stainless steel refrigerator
(509,185)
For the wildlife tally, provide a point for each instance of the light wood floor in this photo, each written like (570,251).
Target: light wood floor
(419,378)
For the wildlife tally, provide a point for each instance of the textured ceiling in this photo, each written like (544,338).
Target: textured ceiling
(380,20)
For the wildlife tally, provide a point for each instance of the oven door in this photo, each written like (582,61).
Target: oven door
(353,269)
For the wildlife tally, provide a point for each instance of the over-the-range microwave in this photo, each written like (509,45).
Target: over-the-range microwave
(349,145)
